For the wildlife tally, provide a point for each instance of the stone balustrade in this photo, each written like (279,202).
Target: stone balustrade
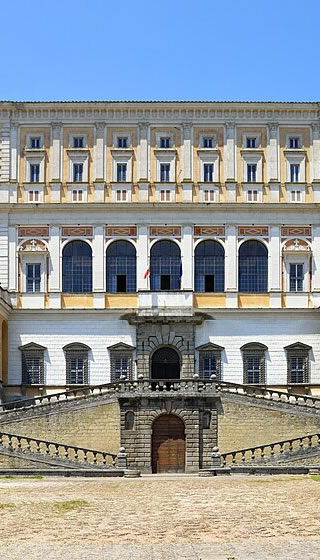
(76,455)
(270,451)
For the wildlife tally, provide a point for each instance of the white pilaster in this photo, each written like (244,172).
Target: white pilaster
(99,151)
(316,259)
(229,152)
(54,262)
(13,258)
(315,170)
(142,258)
(187,190)
(274,260)
(187,258)
(272,152)
(187,150)
(14,142)
(143,151)
(98,265)
(231,259)
(56,151)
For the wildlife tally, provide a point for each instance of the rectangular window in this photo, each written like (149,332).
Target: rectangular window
(252,196)
(121,172)
(165,196)
(296,277)
(33,196)
(121,283)
(253,369)
(77,172)
(165,282)
(35,142)
(209,195)
(121,195)
(251,172)
(77,195)
(209,364)
(164,172)
(294,142)
(165,142)
(122,141)
(121,368)
(33,277)
(294,172)
(77,368)
(209,283)
(78,142)
(208,142)
(296,196)
(297,369)
(32,369)
(251,142)
(208,172)
(34,172)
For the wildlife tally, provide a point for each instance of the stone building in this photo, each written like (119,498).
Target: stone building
(173,243)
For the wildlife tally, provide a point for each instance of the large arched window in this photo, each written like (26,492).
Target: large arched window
(165,266)
(77,268)
(121,267)
(253,267)
(209,267)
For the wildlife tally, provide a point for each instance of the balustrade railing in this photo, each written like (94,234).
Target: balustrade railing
(269,394)
(270,451)
(45,448)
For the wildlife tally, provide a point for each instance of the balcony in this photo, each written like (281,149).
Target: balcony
(182,300)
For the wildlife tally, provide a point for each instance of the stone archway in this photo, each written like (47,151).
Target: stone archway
(165,364)
(168,444)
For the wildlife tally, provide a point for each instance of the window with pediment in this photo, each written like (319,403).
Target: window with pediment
(32,363)
(210,361)
(121,362)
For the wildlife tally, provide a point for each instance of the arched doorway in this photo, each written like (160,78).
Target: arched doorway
(168,444)
(165,364)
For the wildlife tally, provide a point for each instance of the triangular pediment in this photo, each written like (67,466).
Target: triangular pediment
(210,347)
(121,346)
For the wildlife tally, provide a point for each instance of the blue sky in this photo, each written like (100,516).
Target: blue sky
(165,50)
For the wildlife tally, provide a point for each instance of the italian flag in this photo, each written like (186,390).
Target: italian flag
(146,274)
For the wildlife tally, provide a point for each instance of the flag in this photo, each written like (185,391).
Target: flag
(146,274)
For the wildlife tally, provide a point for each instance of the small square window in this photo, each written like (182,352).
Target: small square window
(122,141)
(209,195)
(251,142)
(294,172)
(251,172)
(34,172)
(77,172)
(296,196)
(165,196)
(121,172)
(77,195)
(294,142)
(164,172)
(78,142)
(208,142)
(121,195)
(252,196)
(35,142)
(165,142)
(33,196)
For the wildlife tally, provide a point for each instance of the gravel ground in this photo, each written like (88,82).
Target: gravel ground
(160,517)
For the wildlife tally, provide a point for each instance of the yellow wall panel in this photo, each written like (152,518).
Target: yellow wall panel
(71,301)
(253,300)
(121,301)
(209,300)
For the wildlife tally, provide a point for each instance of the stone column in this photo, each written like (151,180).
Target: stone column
(315,171)
(187,258)
(229,152)
(98,267)
(274,266)
(56,151)
(231,266)
(55,287)
(142,257)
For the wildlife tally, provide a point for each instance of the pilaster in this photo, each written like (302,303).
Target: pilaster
(316,259)
(98,259)
(315,171)
(187,258)
(273,152)
(229,151)
(143,151)
(99,151)
(14,143)
(56,151)
(142,257)
(231,259)
(274,260)
(13,258)
(187,150)
(54,262)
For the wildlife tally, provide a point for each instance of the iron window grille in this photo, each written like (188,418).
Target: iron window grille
(253,267)
(209,267)
(298,363)
(32,362)
(77,364)
(254,363)
(77,268)
(121,365)
(121,267)
(210,361)
(165,266)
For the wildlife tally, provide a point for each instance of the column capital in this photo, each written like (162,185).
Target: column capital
(15,125)
(56,126)
(315,128)
(273,127)
(143,125)
(100,126)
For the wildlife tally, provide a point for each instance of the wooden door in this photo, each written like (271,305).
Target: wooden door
(168,444)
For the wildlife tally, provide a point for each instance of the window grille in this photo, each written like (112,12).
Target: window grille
(254,363)
(165,266)
(298,363)
(121,267)
(210,364)
(77,363)
(121,365)
(77,268)
(32,362)
(253,267)
(209,262)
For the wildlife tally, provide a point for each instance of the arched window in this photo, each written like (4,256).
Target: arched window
(121,267)
(129,420)
(254,362)
(209,267)
(77,363)
(165,364)
(165,266)
(77,268)
(253,267)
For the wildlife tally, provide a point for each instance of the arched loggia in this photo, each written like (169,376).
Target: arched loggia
(165,266)
(253,267)
(209,267)
(77,268)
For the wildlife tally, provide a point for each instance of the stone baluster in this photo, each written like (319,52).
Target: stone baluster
(122,458)
(215,457)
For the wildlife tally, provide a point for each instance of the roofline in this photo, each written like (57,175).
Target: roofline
(169,102)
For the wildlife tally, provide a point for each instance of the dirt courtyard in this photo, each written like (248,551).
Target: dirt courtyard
(160,517)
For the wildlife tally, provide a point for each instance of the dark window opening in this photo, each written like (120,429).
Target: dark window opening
(165,364)
(129,420)
(206,420)
(121,283)
(165,282)
(209,283)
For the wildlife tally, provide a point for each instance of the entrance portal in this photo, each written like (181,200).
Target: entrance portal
(165,364)
(168,444)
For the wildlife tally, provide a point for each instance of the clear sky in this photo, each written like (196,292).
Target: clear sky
(160,50)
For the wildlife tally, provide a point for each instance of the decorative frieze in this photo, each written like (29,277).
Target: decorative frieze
(165,231)
(290,231)
(77,231)
(33,231)
(254,231)
(209,231)
(121,231)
